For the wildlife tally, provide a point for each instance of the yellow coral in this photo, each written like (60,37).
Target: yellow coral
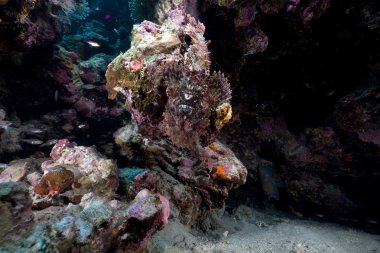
(223,115)
(117,76)
(27,6)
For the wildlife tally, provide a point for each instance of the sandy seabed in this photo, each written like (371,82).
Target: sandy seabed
(249,230)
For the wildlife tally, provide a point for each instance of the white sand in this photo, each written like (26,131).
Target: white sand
(257,232)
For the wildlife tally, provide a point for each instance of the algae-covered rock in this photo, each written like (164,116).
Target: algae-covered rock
(16,215)
(178,107)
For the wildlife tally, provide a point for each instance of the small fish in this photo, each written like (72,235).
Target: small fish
(372,221)
(330,93)
(88,86)
(81,126)
(50,118)
(32,130)
(3,165)
(309,86)
(93,43)
(68,127)
(32,141)
(319,215)
(49,143)
(56,96)
(116,31)
(5,124)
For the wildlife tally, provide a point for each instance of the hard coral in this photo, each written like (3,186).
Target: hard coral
(93,173)
(178,107)
(93,225)
(166,80)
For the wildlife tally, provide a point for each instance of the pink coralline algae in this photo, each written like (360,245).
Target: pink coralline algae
(175,94)
(91,224)
(92,219)
(81,83)
(149,27)
(59,147)
(147,213)
(136,65)
(92,171)
(356,115)
(308,10)
(178,107)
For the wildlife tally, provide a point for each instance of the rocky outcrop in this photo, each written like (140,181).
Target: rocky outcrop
(71,205)
(178,107)
(305,95)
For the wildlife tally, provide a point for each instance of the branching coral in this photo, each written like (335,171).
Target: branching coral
(142,10)
(81,11)
(66,6)
(72,10)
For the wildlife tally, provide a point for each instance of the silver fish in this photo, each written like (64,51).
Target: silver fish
(309,86)
(56,93)
(32,130)
(49,143)
(5,124)
(32,141)
(88,86)
(3,165)
(93,43)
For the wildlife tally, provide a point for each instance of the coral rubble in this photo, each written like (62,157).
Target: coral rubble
(34,209)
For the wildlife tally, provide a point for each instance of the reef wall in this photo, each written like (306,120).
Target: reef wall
(78,200)
(305,79)
(296,81)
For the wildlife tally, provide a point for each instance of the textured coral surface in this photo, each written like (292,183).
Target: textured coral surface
(178,106)
(122,118)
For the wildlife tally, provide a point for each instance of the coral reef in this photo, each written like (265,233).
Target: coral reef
(142,10)
(306,132)
(178,107)
(191,183)
(40,77)
(93,173)
(167,82)
(301,131)
(93,221)
(156,10)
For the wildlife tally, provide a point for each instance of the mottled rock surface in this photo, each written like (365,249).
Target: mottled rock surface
(178,107)
(39,218)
